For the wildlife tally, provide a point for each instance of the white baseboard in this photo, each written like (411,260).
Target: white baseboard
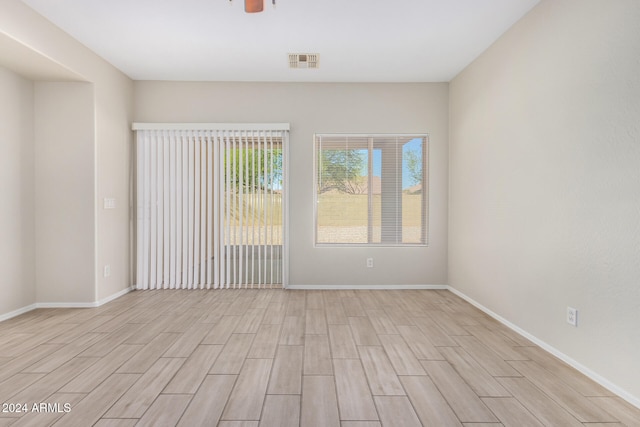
(17,312)
(367,287)
(114,296)
(66,304)
(28,308)
(635,401)
(83,304)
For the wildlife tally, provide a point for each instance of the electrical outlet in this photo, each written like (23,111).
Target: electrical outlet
(107,270)
(572,316)
(369,262)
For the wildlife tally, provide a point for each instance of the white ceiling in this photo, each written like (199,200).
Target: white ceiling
(215,40)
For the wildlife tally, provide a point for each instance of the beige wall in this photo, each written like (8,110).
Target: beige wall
(114,142)
(64,171)
(17,244)
(326,108)
(44,52)
(545,182)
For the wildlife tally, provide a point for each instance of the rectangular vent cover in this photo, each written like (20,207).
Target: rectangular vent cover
(304,60)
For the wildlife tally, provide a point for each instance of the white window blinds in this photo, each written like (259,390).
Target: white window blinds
(371,189)
(211,206)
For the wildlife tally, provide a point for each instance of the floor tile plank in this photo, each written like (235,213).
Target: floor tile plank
(65,354)
(381,323)
(147,356)
(221,331)
(500,344)
(111,341)
(578,405)
(99,371)
(626,413)
(141,395)
(116,422)
(363,332)
(335,313)
(317,355)
(354,397)
(208,403)
(90,409)
(232,356)
(247,396)
(281,411)
(315,322)
(286,375)
(18,364)
(433,332)
(430,406)
(464,402)
(342,344)
(319,402)
(188,341)
(238,424)
(380,373)
(250,321)
(489,360)
(361,424)
(539,404)
(40,390)
(188,378)
(511,412)
(352,307)
(480,381)
(165,411)
(402,358)
(564,372)
(418,343)
(396,411)
(292,331)
(448,325)
(274,315)
(265,343)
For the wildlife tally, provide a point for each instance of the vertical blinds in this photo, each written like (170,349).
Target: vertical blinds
(210,206)
(371,189)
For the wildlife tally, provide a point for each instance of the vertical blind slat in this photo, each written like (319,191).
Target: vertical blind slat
(190,203)
(210,196)
(240,211)
(184,188)
(216,234)
(228,256)
(154,213)
(172,211)
(166,223)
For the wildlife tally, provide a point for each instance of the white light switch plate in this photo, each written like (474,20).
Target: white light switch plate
(109,203)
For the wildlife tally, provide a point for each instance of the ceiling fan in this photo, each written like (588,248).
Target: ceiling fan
(253,6)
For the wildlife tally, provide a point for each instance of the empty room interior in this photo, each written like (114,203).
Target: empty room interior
(330,213)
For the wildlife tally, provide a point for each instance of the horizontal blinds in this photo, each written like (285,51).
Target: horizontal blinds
(371,189)
(210,208)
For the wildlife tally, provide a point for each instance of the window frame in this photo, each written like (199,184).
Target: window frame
(424,230)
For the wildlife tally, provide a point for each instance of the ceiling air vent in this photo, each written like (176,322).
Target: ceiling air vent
(303,60)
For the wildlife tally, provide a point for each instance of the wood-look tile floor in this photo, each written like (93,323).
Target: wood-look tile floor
(288,358)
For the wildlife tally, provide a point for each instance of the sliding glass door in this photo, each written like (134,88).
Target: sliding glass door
(211,206)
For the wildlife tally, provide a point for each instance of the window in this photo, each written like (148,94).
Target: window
(371,190)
